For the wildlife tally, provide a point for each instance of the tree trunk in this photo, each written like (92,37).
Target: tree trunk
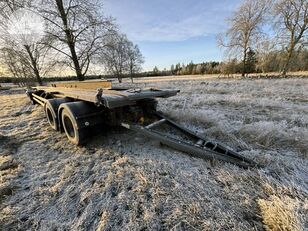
(119,78)
(131,75)
(34,65)
(244,63)
(79,74)
(70,40)
(286,65)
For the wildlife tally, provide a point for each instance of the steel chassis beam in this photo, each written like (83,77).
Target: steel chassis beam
(40,100)
(197,147)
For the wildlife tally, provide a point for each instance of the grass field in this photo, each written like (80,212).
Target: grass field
(122,181)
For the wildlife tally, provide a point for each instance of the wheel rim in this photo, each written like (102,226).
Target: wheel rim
(68,126)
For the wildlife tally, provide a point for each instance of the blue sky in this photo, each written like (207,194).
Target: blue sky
(172,31)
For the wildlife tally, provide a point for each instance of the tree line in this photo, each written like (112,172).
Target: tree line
(77,36)
(272,61)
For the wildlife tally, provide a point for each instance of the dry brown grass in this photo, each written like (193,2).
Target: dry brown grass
(279,214)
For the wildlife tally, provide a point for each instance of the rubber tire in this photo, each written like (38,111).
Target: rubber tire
(51,117)
(69,123)
(51,111)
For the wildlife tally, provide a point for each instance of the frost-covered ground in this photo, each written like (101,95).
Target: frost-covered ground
(121,181)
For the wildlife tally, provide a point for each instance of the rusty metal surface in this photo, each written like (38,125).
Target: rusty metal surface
(109,98)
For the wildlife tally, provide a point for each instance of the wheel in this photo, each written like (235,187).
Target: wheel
(51,117)
(51,111)
(79,119)
(73,133)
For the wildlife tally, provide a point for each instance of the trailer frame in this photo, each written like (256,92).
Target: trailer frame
(74,111)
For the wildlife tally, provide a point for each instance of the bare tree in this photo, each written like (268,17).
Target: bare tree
(245,28)
(122,57)
(15,65)
(292,21)
(266,52)
(37,59)
(29,46)
(135,60)
(115,56)
(80,29)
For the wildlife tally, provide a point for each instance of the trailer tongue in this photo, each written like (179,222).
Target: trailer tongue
(185,140)
(77,108)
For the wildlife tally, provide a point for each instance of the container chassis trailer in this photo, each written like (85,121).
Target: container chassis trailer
(78,108)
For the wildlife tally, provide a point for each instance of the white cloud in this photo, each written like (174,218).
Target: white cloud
(162,20)
(187,28)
